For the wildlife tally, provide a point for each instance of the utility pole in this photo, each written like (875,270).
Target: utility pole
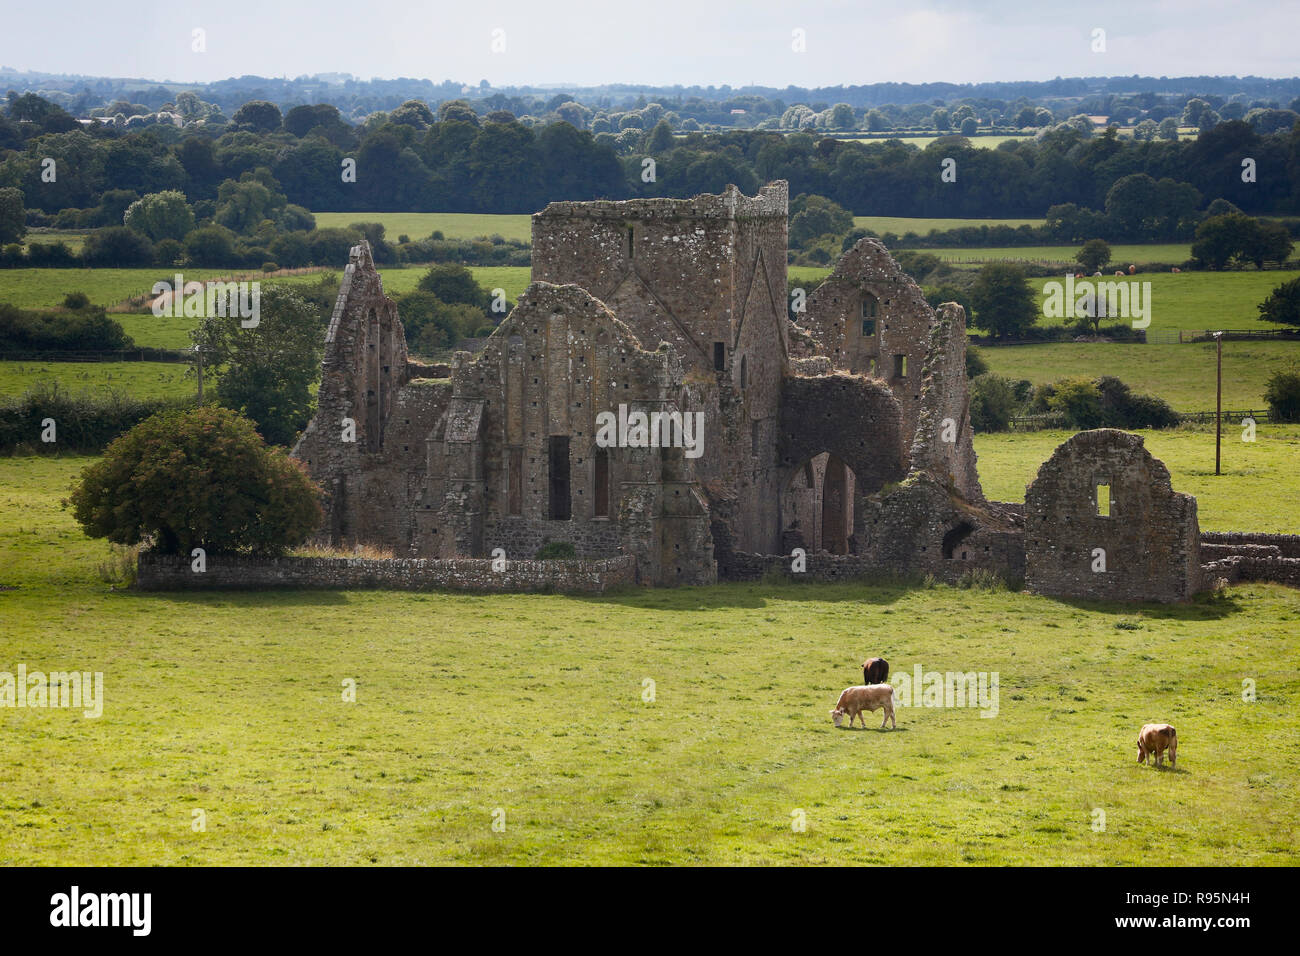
(198,352)
(1218,405)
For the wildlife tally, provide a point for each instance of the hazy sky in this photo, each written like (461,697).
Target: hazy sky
(653,41)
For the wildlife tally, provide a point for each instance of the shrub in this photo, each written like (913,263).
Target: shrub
(993,403)
(270,267)
(118,247)
(198,478)
(1079,400)
(556,551)
(76,300)
(85,422)
(975,364)
(1282,392)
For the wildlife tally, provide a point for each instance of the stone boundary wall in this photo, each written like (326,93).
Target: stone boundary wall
(172,573)
(1287,544)
(1236,569)
(821,566)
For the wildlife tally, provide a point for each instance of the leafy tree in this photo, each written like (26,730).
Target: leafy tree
(1079,400)
(975,364)
(1094,255)
(812,217)
(660,139)
(1145,131)
(1283,304)
(1282,392)
(258,115)
(969,126)
(164,215)
(266,372)
(842,116)
(1221,240)
(1003,303)
(993,403)
(941,120)
(197,478)
(243,205)
(878,122)
(458,110)
(210,246)
(412,113)
(13,216)
(118,247)
(1168,129)
(453,283)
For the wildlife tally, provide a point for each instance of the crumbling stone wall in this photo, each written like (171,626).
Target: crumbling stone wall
(921,526)
(348,444)
(171,573)
(871,318)
(537,390)
(943,444)
(1149,542)
(706,275)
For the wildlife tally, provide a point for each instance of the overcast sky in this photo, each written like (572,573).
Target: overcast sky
(663,42)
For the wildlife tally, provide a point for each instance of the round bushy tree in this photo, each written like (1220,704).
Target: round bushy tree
(1282,392)
(197,478)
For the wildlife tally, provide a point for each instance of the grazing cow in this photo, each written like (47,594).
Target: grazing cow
(1175,270)
(875,670)
(1155,739)
(1119,272)
(855,700)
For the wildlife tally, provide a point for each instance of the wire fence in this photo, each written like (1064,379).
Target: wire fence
(1031,423)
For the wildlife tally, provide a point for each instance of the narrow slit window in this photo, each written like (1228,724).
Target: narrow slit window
(515,482)
(561,504)
(1103,501)
(868,328)
(631,250)
(900,366)
(600,467)
(719,356)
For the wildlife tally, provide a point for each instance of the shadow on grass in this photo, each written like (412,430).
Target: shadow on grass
(1207,606)
(264,597)
(752,594)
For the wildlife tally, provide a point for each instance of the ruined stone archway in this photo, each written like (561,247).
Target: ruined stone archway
(819,506)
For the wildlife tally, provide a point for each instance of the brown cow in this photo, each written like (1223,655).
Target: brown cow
(1155,739)
(855,700)
(875,670)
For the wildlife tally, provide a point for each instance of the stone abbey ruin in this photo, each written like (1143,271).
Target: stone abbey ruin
(845,433)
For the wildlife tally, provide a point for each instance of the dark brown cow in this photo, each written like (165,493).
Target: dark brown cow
(875,670)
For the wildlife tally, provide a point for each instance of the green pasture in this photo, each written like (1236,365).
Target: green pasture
(683,726)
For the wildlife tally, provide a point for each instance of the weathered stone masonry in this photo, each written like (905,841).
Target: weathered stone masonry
(847,434)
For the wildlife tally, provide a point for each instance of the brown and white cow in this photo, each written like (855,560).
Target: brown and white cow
(854,701)
(875,670)
(1156,739)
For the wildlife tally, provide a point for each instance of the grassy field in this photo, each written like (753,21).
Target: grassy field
(140,379)
(39,288)
(421,225)
(1183,375)
(1259,489)
(901,225)
(1163,252)
(231,703)
(1202,300)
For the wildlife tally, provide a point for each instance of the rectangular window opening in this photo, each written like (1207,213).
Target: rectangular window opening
(1103,501)
(561,504)
(515,483)
(600,503)
(719,356)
